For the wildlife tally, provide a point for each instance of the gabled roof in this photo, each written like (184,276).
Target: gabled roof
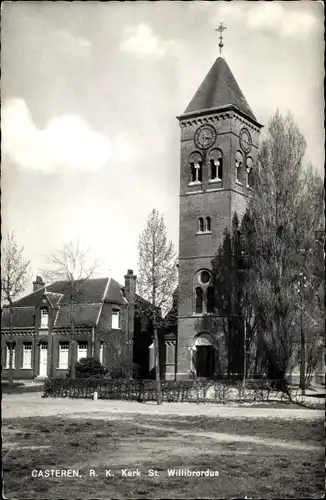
(219,89)
(92,291)
(86,309)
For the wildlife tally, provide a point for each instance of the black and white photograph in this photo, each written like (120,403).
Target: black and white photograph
(162,249)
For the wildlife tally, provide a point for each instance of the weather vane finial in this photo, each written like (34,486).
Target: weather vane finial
(221,28)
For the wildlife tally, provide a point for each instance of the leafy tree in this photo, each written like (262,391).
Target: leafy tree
(157,278)
(71,263)
(283,229)
(15,272)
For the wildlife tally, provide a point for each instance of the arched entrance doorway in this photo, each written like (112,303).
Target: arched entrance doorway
(203,357)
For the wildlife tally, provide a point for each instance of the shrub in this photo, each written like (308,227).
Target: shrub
(89,367)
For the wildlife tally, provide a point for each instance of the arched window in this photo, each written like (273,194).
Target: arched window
(216,165)
(239,166)
(200,225)
(208,224)
(249,171)
(210,299)
(199,300)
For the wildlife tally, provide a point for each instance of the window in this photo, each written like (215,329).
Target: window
(27,355)
(196,172)
(169,353)
(216,165)
(193,172)
(239,167)
(8,355)
(204,229)
(204,293)
(199,300)
(44,318)
(249,170)
(216,172)
(205,277)
(213,169)
(82,350)
(63,355)
(101,352)
(115,318)
(210,300)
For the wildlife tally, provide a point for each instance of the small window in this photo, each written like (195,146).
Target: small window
(210,299)
(44,318)
(27,355)
(116,319)
(8,355)
(199,300)
(82,350)
(208,224)
(63,355)
(200,225)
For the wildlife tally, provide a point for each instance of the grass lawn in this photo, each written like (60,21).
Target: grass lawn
(258,458)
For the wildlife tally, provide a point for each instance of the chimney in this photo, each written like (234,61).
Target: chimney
(38,283)
(130,283)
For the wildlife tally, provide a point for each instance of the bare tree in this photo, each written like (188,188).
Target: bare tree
(15,272)
(72,264)
(157,278)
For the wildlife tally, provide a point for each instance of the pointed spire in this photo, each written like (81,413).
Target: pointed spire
(219,89)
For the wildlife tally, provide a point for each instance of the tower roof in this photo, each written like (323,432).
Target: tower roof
(219,89)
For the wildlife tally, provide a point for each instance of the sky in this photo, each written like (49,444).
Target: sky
(90,96)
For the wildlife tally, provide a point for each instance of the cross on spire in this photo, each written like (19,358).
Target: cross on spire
(221,28)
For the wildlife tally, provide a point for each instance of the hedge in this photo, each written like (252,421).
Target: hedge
(199,391)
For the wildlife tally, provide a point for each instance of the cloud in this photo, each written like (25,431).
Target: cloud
(273,17)
(143,43)
(67,142)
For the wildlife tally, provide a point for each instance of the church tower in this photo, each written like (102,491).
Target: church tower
(219,143)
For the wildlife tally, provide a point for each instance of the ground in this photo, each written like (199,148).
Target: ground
(258,452)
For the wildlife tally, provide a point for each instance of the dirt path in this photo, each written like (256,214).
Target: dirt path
(30,405)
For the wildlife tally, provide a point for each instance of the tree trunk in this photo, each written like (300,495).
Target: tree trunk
(157,368)
(72,341)
(11,373)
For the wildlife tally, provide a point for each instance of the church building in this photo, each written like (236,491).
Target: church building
(219,143)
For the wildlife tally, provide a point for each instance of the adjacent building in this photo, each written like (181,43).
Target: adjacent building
(105,325)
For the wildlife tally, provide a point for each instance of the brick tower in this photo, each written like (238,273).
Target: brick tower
(219,142)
